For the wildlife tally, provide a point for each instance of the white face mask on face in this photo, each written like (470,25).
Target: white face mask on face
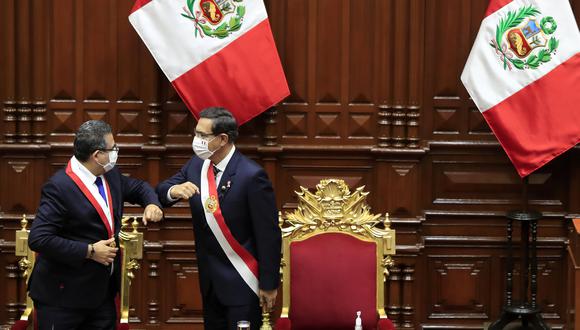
(201,147)
(113,154)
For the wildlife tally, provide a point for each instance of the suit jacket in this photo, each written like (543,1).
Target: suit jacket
(249,208)
(65,223)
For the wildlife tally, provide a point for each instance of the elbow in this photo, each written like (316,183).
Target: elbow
(159,189)
(34,243)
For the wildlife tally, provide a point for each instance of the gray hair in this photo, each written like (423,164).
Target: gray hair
(90,137)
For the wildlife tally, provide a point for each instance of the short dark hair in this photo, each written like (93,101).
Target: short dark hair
(90,137)
(222,122)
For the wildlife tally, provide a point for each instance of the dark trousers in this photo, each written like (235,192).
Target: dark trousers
(103,317)
(217,316)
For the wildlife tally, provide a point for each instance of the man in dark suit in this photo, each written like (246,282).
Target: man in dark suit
(75,231)
(235,221)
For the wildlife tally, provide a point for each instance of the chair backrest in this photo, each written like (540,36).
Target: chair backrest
(335,259)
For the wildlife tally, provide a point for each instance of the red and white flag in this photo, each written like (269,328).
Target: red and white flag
(214,52)
(523,74)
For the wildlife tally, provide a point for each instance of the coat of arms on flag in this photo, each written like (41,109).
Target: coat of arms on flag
(215,18)
(519,33)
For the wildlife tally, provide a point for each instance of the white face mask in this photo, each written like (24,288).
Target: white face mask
(201,147)
(113,154)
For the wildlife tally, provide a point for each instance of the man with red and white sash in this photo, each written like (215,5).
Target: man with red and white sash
(235,221)
(75,232)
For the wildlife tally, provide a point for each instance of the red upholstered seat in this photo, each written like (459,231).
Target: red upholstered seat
(20,325)
(337,277)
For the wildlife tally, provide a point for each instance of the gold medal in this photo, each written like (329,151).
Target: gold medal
(211,204)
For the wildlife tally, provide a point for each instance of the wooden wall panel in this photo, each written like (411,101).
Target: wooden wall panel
(375,100)
(474,300)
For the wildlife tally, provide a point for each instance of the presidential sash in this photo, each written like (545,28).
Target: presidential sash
(91,198)
(244,262)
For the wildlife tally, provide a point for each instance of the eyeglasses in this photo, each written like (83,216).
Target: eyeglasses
(114,148)
(202,135)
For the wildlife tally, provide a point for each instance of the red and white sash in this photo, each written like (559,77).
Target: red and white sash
(94,202)
(243,261)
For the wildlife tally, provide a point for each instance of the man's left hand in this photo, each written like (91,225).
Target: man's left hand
(267,299)
(152,213)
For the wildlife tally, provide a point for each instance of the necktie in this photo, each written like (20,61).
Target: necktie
(99,183)
(215,170)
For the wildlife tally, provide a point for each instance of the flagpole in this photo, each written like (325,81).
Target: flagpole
(526,308)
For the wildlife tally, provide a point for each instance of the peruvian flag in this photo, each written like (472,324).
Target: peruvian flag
(523,74)
(214,52)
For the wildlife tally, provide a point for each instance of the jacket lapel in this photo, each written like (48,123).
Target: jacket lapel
(114,198)
(227,179)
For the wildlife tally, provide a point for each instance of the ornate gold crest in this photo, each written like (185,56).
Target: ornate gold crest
(333,206)
(211,204)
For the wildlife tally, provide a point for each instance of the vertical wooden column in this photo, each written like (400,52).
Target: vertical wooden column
(39,91)
(394,296)
(154,147)
(154,112)
(8,69)
(152,285)
(399,85)
(10,120)
(270,120)
(12,273)
(400,76)
(153,77)
(24,111)
(383,84)
(384,130)
(415,71)
(408,310)
(270,149)
(23,70)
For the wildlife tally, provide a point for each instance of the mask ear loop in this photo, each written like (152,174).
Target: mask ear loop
(101,165)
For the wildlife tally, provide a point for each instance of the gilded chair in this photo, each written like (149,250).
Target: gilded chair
(131,242)
(336,255)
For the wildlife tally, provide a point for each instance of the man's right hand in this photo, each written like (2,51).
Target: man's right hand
(104,254)
(183,191)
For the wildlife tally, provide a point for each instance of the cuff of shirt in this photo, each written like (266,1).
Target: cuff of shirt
(169,195)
